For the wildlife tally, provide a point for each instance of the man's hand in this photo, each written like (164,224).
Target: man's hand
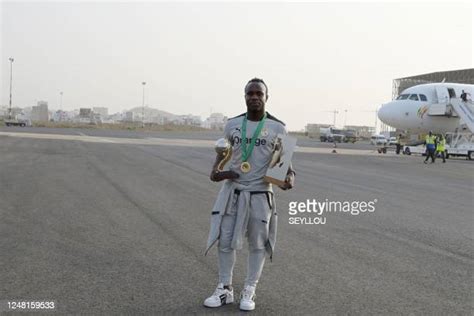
(217,176)
(289,182)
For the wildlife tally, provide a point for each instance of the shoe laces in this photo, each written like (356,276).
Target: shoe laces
(248,293)
(220,290)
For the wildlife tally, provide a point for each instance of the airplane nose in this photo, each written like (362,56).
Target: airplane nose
(384,113)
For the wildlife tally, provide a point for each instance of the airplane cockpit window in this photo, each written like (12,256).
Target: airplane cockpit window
(423,97)
(414,97)
(403,96)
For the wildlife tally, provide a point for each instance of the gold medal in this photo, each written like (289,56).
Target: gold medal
(245,167)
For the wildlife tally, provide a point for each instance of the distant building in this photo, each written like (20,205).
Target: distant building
(364,132)
(128,117)
(103,112)
(115,118)
(59,116)
(189,119)
(312,130)
(157,119)
(96,118)
(216,121)
(39,113)
(85,115)
(73,115)
(3,111)
(85,112)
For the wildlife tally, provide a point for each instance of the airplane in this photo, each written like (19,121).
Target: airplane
(435,107)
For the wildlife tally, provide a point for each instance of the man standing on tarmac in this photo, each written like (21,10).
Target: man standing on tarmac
(399,144)
(430,142)
(245,205)
(440,146)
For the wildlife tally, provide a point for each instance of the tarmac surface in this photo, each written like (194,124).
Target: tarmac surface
(116,222)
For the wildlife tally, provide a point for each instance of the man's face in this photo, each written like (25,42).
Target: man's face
(255,96)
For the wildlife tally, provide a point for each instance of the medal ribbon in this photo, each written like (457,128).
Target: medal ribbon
(247,151)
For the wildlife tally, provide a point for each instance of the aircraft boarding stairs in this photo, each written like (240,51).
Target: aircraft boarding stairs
(460,143)
(455,108)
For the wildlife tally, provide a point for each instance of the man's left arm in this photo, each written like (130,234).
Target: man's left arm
(290,179)
(290,174)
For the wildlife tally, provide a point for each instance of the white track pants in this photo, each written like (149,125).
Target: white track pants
(257,233)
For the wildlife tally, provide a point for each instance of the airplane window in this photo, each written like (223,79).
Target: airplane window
(423,97)
(403,96)
(414,97)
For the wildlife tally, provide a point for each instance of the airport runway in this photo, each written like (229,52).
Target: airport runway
(104,227)
(203,135)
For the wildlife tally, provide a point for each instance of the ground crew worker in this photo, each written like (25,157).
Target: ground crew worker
(440,146)
(430,142)
(399,143)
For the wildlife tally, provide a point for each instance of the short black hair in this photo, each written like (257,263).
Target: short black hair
(257,80)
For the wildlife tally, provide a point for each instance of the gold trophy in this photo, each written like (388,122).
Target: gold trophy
(224,153)
(283,148)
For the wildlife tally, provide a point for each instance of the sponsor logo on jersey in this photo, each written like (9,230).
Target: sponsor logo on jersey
(236,140)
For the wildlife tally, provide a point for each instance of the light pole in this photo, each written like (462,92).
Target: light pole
(61,101)
(60,106)
(11,79)
(143,105)
(376,112)
(335,112)
(345,118)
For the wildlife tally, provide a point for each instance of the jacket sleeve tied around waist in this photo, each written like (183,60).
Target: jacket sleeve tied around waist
(222,206)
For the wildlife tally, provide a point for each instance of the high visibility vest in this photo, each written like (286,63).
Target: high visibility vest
(441,143)
(430,139)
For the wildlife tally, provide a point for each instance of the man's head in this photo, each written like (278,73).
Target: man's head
(430,133)
(256,95)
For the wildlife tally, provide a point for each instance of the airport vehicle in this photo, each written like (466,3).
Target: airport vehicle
(460,144)
(350,136)
(457,145)
(435,107)
(392,141)
(378,140)
(331,134)
(17,122)
(408,150)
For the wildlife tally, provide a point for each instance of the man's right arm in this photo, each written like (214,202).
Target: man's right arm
(217,175)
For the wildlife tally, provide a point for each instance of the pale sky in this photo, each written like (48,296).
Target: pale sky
(315,57)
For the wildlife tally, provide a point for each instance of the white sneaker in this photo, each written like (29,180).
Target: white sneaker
(220,297)
(246,298)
